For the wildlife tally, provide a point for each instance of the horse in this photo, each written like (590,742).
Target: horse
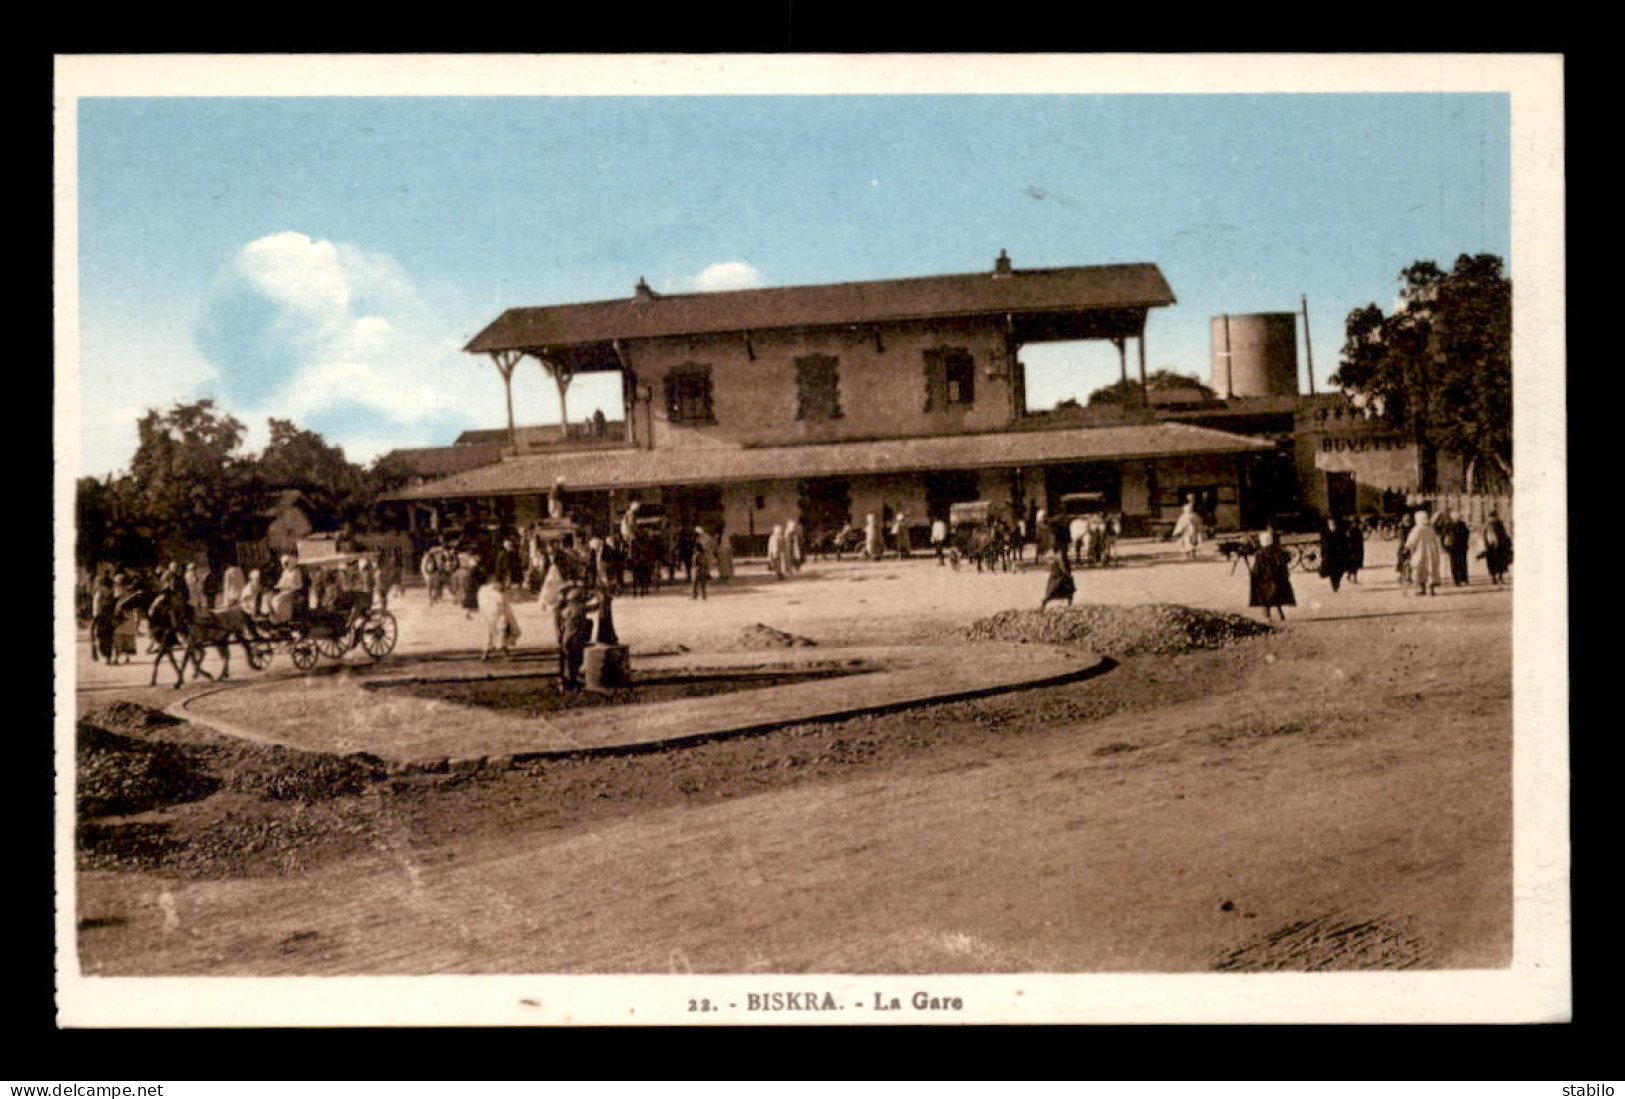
(173,625)
(644,558)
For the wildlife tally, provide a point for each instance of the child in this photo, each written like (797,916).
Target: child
(1061,584)
(575,633)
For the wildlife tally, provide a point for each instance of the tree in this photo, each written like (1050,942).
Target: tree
(337,489)
(187,480)
(1128,392)
(1439,368)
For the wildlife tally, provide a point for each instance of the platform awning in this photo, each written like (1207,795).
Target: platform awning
(630,469)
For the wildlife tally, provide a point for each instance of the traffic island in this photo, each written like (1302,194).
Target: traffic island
(474,717)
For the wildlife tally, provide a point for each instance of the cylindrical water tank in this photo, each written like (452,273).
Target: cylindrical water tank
(1255,355)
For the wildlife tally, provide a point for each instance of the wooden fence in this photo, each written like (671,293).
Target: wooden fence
(1473,507)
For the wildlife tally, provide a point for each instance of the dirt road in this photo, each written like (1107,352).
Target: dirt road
(1334,795)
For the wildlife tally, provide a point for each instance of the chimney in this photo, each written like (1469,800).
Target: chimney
(642,292)
(1001,266)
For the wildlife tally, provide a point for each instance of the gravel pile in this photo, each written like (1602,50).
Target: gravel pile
(1162,628)
(766,637)
(119,774)
(227,802)
(130,717)
(132,759)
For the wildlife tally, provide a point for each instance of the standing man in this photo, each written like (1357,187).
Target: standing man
(1188,528)
(509,567)
(434,575)
(794,547)
(1333,552)
(1497,549)
(1454,535)
(1354,539)
(939,538)
(1423,551)
(197,596)
(700,567)
(775,551)
(874,547)
(574,626)
(1269,578)
(725,555)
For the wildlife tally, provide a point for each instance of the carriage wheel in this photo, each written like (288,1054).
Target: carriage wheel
(334,646)
(304,654)
(378,634)
(259,653)
(1309,558)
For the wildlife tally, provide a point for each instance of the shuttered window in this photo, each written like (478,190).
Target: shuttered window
(688,394)
(818,388)
(950,379)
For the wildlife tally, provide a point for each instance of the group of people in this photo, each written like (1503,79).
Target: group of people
(121,598)
(787,548)
(117,600)
(1426,542)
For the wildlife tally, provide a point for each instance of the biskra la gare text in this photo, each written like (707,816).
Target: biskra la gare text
(816,1000)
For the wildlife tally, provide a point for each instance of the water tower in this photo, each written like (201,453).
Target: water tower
(1255,355)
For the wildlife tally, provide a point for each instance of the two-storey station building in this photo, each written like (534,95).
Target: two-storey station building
(828,403)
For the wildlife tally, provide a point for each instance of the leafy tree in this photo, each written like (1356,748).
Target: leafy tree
(1439,368)
(337,489)
(93,522)
(187,480)
(389,472)
(1128,392)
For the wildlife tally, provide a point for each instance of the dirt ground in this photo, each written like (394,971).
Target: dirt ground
(1334,794)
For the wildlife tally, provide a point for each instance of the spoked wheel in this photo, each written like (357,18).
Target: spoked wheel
(378,634)
(259,653)
(1309,558)
(334,646)
(304,654)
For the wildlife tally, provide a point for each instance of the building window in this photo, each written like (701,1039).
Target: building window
(950,379)
(818,388)
(688,394)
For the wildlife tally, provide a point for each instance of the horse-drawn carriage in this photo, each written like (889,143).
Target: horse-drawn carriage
(345,619)
(1090,527)
(980,531)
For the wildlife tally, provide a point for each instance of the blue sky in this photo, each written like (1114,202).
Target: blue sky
(325,259)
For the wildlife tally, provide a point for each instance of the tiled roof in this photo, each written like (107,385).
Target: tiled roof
(437,461)
(623,469)
(1059,289)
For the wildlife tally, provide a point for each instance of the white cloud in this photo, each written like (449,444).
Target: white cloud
(299,273)
(321,332)
(734,275)
(314,326)
(397,394)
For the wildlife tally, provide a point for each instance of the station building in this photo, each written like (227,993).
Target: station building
(743,409)
(829,403)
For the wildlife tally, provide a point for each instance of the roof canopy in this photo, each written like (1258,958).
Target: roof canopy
(1057,303)
(627,469)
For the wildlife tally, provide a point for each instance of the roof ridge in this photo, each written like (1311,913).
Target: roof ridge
(690,295)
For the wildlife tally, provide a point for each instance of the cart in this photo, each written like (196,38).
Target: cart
(332,631)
